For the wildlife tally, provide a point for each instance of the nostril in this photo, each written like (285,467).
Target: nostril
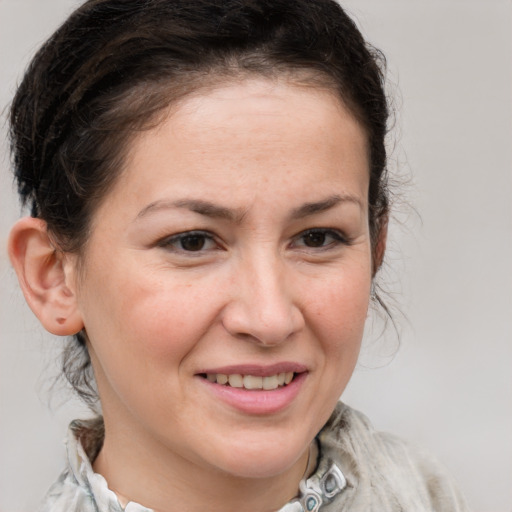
(265,315)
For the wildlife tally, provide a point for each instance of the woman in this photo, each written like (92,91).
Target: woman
(208,190)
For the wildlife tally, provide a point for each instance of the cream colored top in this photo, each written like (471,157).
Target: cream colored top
(358,470)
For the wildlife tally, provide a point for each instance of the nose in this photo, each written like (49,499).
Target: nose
(262,308)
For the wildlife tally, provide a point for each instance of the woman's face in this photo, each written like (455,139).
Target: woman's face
(235,246)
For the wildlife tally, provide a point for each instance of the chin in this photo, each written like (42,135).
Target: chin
(263,461)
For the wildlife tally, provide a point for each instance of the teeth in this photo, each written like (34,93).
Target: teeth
(236,381)
(221,378)
(251,381)
(270,382)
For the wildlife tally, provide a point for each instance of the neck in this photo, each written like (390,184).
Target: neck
(159,479)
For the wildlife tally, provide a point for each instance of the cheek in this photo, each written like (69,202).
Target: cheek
(340,305)
(134,317)
(141,332)
(338,313)
(163,320)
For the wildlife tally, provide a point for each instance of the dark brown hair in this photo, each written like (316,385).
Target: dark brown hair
(114,65)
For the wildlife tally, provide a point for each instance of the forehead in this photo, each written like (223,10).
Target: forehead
(261,106)
(271,133)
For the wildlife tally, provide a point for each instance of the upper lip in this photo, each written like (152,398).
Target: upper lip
(257,370)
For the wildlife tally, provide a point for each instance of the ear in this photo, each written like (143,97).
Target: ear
(46,276)
(380,244)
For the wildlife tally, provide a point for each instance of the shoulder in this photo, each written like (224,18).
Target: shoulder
(67,495)
(385,472)
(78,488)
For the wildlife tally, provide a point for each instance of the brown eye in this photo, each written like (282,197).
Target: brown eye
(314,239)
(189,242)
(193,242)
(320,239)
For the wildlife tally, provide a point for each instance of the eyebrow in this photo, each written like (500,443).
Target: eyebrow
(308,209)
(212,210)
(205,208)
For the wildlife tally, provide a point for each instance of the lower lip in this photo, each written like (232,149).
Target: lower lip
(251,401)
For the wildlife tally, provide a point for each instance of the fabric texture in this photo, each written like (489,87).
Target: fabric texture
(358,470)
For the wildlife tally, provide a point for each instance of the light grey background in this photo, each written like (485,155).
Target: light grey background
(449,388)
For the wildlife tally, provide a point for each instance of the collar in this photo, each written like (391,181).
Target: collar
(85,440)
(319,489)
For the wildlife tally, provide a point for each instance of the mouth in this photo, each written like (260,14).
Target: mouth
(251,382)
(256,389)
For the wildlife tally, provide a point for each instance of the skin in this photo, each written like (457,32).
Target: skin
(259,291)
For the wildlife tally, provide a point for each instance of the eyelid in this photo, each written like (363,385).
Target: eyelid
(168,241)
(339,237)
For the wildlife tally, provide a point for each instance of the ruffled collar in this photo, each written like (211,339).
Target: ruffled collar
(85,440)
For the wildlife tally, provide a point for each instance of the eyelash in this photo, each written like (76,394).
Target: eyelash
(204,237)
(167,243)
(337,238)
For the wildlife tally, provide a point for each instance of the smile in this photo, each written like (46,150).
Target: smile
(251,382)
(255,389)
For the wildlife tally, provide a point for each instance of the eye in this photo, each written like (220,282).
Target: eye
(320,238)
(190,241)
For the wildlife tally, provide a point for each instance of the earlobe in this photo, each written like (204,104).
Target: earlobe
(45,283)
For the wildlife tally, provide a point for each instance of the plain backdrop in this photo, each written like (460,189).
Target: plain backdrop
(448,388)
